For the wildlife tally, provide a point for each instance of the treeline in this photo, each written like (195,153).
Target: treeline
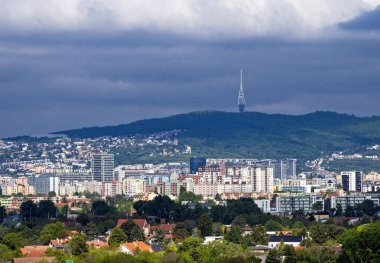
(43,222)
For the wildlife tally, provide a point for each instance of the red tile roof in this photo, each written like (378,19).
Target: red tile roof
(97,243)
(59,242)
(133,246)
(140,222)
(34,251)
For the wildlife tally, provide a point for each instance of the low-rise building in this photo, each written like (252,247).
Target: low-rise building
(134,247)
(297,202)
(275,241)
(351,200)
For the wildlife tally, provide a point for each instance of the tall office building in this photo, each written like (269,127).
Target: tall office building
(102,166)
(284,169)
(195,163)
(352,181)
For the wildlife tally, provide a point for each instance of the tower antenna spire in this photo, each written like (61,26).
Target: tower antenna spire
(241,98)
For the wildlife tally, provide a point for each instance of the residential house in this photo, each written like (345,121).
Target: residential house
(97,243)
(274,241)
(34,251)
(134,247)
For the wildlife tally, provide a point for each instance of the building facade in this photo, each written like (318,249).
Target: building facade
(102,167)
(352,181)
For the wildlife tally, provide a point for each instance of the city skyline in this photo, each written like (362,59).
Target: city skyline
(88,67)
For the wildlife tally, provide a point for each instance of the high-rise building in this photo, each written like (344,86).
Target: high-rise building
(352,181)
(102,167)
(241,98)
(195,163)
(284,169)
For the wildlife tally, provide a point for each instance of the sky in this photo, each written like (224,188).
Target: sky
(74,63)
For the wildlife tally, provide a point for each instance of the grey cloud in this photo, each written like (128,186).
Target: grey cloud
(52,82)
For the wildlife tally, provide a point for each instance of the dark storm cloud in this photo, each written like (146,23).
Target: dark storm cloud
(369,21)
(51,81)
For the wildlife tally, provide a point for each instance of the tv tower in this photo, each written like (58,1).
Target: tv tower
(241,99)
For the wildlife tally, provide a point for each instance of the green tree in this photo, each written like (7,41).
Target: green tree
(320,233)
(181,233)
(259,235)
(28,210)
(6,254)
(83,219)
(218,198)
(204,224)
(77,245)
(159,236)
(299,229)
(316,254)
(349,211)
(361,244)
(272,225)
(136,235)
(117,237)
(13,240)
(91,231)
(217,229)
(234,235)
(290,254)
(339,210)
(53,231)
(64,211)
(100,207)
(128,226)
(46,209)
(59,254)
(187,196)
(239,221)
(317,206)
(52,194)
(273,257)
(2,213)
(189,249)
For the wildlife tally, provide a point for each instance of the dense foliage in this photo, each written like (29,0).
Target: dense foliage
(333,241)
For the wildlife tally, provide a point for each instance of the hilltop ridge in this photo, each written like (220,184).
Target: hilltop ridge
(248,134)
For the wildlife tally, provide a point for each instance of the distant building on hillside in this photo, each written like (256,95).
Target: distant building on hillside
(284,169)
(195,163)
(102,167)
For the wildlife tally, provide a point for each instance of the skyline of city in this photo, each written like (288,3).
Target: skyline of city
(161,131)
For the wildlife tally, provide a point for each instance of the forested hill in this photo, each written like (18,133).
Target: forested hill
(253,134)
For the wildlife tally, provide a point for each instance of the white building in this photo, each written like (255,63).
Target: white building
(133,186)
(275,241)
(352,181)
(263,204)
(351,200)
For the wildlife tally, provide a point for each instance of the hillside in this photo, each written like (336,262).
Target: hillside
(253,134)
